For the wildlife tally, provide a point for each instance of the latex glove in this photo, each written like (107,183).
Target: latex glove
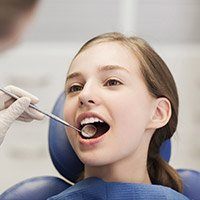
(11,110)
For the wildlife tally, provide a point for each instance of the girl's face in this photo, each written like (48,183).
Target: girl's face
(104,82)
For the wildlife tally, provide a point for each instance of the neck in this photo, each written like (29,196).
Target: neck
(132,169)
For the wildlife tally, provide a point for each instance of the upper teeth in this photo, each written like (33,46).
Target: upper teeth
(90,120)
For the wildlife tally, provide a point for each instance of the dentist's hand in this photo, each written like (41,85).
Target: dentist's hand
(11,110)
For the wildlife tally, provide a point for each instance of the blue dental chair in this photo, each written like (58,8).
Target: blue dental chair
(70,167)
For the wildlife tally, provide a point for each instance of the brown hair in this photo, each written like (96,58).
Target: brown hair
(160,83)
(10,12)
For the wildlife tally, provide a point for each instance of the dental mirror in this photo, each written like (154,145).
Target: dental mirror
(88,131)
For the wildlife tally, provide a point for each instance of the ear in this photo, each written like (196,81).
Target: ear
(161,113)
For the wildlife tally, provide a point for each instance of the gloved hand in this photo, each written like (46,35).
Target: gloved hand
(11,110)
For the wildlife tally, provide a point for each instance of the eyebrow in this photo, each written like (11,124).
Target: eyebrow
(111,67)
(100,69)
(73,75)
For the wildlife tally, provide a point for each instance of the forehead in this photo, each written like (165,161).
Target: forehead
(102,54)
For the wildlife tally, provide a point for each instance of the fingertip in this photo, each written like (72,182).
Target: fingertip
(41,116)
(34,99)
(37,99)
(38,116)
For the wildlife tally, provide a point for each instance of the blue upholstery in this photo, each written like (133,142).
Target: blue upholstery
(96,189)
(191,183)
(39,188)
(69,166)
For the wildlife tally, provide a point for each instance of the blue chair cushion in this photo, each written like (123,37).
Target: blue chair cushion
(38,188)
(191,183)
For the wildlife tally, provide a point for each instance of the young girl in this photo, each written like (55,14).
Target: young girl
(121,86)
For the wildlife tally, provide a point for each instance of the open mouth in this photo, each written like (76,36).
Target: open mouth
(94,130)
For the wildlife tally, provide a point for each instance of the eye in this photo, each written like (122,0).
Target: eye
(74,88)
(112,82)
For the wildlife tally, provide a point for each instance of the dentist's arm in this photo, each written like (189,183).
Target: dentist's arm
(11,110)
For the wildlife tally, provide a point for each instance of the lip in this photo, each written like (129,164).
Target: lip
(89,143)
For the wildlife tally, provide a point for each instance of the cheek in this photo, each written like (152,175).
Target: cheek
(128,129)
(131,115)
(69,110)
(69,116)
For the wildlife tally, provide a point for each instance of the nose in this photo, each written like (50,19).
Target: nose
(89,96)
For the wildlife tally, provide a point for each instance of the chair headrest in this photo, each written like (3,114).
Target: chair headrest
(63,156)
(191,182)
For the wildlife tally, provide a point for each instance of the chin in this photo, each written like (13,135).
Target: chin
(92,160)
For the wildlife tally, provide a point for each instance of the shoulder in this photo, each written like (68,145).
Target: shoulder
(94,188)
